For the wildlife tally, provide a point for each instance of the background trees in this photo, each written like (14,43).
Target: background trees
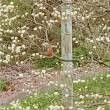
(25,26)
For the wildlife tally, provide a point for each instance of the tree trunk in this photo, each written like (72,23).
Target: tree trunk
(66,49)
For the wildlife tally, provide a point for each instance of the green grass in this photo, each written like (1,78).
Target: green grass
(93,92)
(3,85)
(47,62)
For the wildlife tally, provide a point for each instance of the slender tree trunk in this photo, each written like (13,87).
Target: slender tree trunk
(66,48)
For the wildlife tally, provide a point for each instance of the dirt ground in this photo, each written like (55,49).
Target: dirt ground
(34,82)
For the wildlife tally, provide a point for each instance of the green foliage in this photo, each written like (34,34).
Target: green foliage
(47,62)
(78,53)
(97,84)
(97,88)
(42,100)
(3,85)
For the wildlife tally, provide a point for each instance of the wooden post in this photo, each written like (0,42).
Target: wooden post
(66,50)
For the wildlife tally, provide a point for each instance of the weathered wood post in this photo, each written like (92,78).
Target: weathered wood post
(66,50)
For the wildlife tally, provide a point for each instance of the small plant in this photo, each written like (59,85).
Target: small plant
(3,85)
(47,62)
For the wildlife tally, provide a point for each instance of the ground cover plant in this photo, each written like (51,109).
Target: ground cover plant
(91,93)
(4,84)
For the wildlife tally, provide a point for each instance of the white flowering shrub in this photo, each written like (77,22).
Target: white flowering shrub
(23,33)
(92,25)
(25,26)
